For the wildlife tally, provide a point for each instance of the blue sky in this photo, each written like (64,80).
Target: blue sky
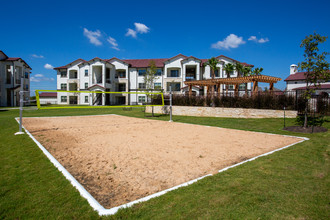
(264,33)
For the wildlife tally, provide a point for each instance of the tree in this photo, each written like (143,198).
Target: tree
(149,80)
(239,69)
(315,66)
(229,68)
(257,71)
(246,71)
(213,62)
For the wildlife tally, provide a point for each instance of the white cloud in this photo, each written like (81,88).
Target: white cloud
(113,42)
(38,75)
(93,36)
(261,40)
(231,41)
(141,28)
(37,56)
(48,66)
(34,79)
(131,32)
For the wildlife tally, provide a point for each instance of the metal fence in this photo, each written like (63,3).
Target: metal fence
(277,100)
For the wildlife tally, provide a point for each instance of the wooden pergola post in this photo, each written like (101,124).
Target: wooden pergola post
(271,87)
(218,90)
(236,89)
(190,90)
(255,87)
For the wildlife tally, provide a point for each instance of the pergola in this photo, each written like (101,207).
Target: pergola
(236,81)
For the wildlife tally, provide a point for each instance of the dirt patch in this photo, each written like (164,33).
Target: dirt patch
(120,159)
(300,129)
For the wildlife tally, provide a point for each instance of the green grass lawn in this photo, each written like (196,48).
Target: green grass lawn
(290,184)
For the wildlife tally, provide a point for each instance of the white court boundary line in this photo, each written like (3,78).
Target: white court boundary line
(103,211)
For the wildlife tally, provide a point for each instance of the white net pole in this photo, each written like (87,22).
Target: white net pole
(21,95)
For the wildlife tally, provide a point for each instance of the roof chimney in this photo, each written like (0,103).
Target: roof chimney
(293,69)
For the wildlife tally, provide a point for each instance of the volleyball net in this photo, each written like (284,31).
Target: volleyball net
(51,99)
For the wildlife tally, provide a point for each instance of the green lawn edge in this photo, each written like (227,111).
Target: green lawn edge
(291,184)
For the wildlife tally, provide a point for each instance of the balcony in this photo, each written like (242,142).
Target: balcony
(189,78)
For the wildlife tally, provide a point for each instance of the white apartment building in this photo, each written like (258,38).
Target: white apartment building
(12,70)
(127,75)
(297,81)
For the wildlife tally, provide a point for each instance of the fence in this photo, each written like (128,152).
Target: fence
(291,100)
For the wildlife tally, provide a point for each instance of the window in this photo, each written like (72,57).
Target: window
(64,86)
(86,85)
(26,75)
(158,72)
(142,72)
(217,73)
(121,74)
(26,87)
(142,85)
(230,87)
(231,73)
(176,86)
(63,74)
(122,87)
(86,72)
(174,73)
(242,86)
(157,86)
(64,99)
(142,99)
(86,99)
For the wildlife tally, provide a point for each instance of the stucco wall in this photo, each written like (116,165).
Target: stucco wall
(223,112)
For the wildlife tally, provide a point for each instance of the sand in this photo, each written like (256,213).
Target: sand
(120,159)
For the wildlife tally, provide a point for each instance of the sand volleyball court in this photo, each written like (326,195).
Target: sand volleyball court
(120,159)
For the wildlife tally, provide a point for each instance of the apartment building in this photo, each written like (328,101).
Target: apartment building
(127,75)
(297,81)
(12,71)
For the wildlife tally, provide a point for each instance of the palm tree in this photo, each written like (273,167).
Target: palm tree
(229,68)
(213,62)
(239,68)
(257,71)
(246,71)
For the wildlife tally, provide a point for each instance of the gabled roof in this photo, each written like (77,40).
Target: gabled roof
(191,57)
(48,94)
(296,76)
(143,63)
(66,66)
(14,59)
(243,63)
(179,55)
(4,54)
(95,85)
(115,58)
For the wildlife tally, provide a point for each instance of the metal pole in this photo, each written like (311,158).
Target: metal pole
(21,92)
(284,115)
(171,104)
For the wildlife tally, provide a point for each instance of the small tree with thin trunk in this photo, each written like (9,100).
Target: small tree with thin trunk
(149,80)
(315,66)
